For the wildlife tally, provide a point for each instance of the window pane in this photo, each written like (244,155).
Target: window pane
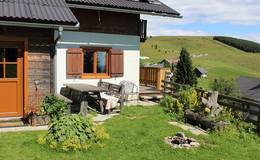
(101,62)
(89,62)
(10,71)
(1,54)
(1,71)
(11,54)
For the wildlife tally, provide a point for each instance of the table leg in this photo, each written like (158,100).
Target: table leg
(101,103)
(84,108)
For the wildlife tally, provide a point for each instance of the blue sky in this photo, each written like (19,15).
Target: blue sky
(237,18)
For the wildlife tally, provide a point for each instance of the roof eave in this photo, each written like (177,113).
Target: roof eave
(79,6)
(39,25)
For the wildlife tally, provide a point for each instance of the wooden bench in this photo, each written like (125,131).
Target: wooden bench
(73,98)
(114,90)
(77,98)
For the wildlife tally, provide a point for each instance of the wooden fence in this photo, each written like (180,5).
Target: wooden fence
(153,76)
(250,108)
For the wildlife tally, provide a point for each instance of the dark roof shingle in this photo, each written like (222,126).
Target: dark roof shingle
(50,11)
(249,87)
(201,70)
(153,7)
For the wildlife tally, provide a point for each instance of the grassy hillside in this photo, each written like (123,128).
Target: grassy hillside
(222,60)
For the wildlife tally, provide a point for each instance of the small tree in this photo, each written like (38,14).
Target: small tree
(223,86)
(184,73)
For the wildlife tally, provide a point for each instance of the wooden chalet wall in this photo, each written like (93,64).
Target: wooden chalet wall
(39,59)
(107,22)
(40,63)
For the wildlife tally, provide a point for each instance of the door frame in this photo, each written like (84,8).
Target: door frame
(23,40)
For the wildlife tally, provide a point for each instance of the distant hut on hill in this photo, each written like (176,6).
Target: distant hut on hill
(169,62)
(201,72)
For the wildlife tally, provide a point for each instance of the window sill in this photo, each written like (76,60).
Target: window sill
(95,77)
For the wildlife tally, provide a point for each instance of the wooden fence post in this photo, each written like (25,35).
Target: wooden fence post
(159,79)
(258,123)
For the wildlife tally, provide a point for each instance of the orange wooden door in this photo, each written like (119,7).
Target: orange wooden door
(11,80)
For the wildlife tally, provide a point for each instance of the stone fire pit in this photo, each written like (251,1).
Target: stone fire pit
(181,141)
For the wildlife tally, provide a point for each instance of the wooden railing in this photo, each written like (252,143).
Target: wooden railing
(153,76)
(250,108)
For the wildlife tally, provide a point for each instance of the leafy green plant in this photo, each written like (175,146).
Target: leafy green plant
(73,133)
(173,106)
(53,107)
(223,86)
(189,99)
(236,122)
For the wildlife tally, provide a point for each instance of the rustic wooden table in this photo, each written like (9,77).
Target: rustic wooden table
(87,90)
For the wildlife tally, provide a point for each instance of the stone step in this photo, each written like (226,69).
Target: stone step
(151,97)
(10,119)
(11,122)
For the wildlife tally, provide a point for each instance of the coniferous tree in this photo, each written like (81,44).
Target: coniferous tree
(184,73)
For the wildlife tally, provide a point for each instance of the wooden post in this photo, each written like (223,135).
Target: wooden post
(146,76)
(258,122)
(164,88)
(122,97)
(84,108)
(101,105)
(158,83)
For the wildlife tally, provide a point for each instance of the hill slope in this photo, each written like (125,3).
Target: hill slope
(222,60)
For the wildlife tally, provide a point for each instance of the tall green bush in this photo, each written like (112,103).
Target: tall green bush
(184,73)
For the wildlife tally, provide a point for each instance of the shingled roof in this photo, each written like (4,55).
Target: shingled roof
(143,7)
(37,11)
(249,87)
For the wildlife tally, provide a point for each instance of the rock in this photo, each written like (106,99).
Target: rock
(180,134)
(179,140)
(194,144)
(186,145)
(191,140)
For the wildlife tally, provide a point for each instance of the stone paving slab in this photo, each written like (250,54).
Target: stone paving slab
(194,130)
(141,103)
(23,129)
(97,119)
(102,118)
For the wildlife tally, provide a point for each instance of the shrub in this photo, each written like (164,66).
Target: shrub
(223,86)
(236,121)
(173,106)
(54,107)
(245,45)
(72,133)
(189,99)
(184,71)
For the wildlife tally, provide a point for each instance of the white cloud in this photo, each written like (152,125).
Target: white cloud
(164,31)
(244,12)
(251,37)
(237,12)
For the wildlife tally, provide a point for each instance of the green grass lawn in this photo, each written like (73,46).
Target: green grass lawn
(222,60)
(137,134)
